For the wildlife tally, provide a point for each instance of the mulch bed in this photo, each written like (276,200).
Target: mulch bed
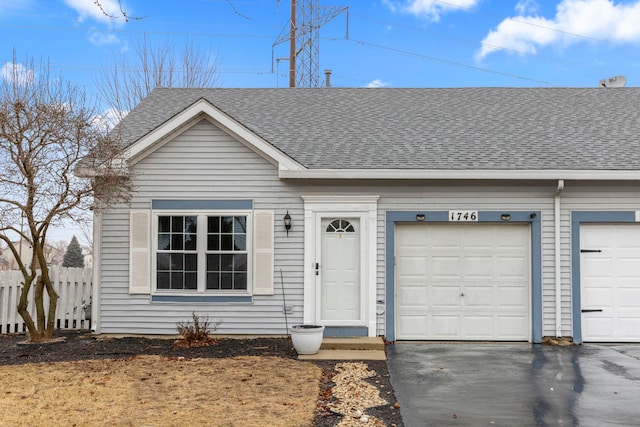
(81,345)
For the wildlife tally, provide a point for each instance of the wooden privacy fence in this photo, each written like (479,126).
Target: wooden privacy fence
(73,286)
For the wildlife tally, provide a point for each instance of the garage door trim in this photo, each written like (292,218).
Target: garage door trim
(530,217)
(578,218)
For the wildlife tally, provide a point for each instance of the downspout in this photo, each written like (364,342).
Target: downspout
(558,260)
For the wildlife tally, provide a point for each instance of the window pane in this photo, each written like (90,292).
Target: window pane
(164,224)
(163,280)
(163,262)
(226,280)
(189,242)
(177,223)
(226,262)
(213,262)
(190,224)
(213,242)
(239,263)
(191,281)
(240,281)
(191,262)
(177,262)
(176,242)
(213,281)
(226,242)
(176,281)
(239,242)
(226,224)
(213,224)
(164,242)
(240,224)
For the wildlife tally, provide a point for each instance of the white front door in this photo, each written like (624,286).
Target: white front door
(338,272)
(610,282)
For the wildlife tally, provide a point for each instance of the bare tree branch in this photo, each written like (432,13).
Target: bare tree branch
(47,129)
(126,83)
(123,13)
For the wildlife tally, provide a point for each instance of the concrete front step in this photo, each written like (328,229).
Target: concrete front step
(352,343)
(345,355)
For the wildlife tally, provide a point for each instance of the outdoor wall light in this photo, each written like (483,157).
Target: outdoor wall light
(420,217)
(505,217)
(287,222)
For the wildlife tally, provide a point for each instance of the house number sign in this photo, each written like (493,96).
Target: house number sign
(463,216)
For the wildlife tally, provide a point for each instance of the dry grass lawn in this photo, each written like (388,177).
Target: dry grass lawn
(158,391)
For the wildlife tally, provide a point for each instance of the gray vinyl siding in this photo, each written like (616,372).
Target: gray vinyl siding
(203,163)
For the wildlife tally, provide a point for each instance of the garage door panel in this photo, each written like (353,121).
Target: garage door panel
(512,267)
(610,282)
(413,296)
(444,296)
(414,326)
(514,297)
(511,327)
(476,275)
(444,326)
(476,326)
(477,266)
(478,297)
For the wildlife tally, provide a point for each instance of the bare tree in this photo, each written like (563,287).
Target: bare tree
(47,127)
(126,83)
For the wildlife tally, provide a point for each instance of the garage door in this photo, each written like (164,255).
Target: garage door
(463,282)
(610,282)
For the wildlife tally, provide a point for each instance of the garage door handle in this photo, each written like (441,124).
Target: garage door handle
(591,310)
(589,251)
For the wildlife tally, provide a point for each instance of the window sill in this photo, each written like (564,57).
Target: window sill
(202,298)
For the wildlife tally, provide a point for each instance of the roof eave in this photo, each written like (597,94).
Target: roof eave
(452,174)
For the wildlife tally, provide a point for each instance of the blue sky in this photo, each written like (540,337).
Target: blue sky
(392,43)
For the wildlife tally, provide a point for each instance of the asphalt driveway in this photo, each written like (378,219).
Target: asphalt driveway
(516,384)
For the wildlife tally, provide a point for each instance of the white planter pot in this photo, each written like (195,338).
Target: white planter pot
(307,339)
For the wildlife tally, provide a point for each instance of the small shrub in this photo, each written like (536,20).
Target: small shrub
(197,332)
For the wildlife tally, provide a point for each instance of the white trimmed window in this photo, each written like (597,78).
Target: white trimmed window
(203,252)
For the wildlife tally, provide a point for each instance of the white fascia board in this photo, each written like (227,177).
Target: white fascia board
(145,145)
(448,174)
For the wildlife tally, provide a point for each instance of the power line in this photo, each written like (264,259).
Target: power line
(443,61)
(467,41)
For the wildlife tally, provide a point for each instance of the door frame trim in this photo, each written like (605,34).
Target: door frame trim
(585,217)
(531,217)
(364,207)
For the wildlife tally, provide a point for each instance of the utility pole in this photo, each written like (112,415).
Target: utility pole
(292,46)
(307,17)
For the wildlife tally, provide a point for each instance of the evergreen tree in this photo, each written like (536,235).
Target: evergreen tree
(73,256)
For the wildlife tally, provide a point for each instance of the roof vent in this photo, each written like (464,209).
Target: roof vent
(618,81)
(327,74)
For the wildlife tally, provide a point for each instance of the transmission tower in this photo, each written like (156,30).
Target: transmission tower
(307,17)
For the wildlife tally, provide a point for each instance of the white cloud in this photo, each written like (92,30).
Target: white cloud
(527,7)
(597,19)
(430,9)
(99,38)
(88,9)
(109,118)
(377,83)
(16,72)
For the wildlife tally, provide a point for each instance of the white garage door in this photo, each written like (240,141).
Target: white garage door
(610,282)
(463,282)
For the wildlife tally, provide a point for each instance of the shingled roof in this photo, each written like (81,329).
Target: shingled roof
(454,129)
